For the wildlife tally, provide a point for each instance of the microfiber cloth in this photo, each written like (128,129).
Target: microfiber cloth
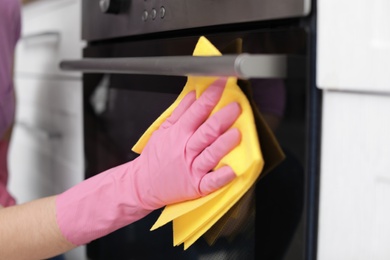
(191,219)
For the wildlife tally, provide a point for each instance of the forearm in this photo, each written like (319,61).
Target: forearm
(53,225)
(175,165)
(30,231)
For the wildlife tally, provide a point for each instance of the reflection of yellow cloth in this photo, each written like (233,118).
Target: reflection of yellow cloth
(191,219)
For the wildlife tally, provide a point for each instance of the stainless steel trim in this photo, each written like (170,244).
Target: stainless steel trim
(51,34)
(243,66)
(178,14)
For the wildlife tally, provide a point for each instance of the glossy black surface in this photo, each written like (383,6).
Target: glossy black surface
(133,102)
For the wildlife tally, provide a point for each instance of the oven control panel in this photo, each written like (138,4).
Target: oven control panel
(107,19)
(110,6)
(153,14)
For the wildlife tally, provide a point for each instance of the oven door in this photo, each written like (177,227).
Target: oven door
(119,107)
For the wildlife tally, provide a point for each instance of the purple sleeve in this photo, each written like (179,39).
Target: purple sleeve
(10,26)
(269,95)
(9,35)
(6,198)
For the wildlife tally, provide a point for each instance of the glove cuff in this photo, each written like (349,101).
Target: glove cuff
(99,205)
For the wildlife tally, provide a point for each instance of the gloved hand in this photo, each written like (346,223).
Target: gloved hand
(174,166)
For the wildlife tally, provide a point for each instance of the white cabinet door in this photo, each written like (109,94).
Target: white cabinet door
(354,204)
(46,151)
(354,45)
(51,32)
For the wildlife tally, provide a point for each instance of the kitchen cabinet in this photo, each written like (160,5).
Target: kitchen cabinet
(51,31)
(353,72)
(46,154)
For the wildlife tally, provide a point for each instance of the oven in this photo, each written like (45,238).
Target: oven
(124,91)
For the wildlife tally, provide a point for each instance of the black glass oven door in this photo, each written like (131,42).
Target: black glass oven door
(118,108)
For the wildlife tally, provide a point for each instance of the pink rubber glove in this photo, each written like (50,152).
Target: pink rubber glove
(175,165)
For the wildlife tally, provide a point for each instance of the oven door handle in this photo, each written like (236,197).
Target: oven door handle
(244,66)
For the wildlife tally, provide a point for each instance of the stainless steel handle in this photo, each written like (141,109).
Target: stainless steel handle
(52,35)
(243,66)
(39,132)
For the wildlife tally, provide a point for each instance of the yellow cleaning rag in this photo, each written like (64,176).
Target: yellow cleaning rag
(191,219)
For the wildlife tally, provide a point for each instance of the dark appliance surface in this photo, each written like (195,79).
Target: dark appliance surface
(105,19)
(118,108)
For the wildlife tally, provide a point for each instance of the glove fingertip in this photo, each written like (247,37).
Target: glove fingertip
(235,136)
(216,180)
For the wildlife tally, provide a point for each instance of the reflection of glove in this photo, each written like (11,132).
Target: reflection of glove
(174,166)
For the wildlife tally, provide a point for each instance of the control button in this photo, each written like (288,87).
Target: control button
(154,13)
(110,6)
(145,16)
(162,12)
